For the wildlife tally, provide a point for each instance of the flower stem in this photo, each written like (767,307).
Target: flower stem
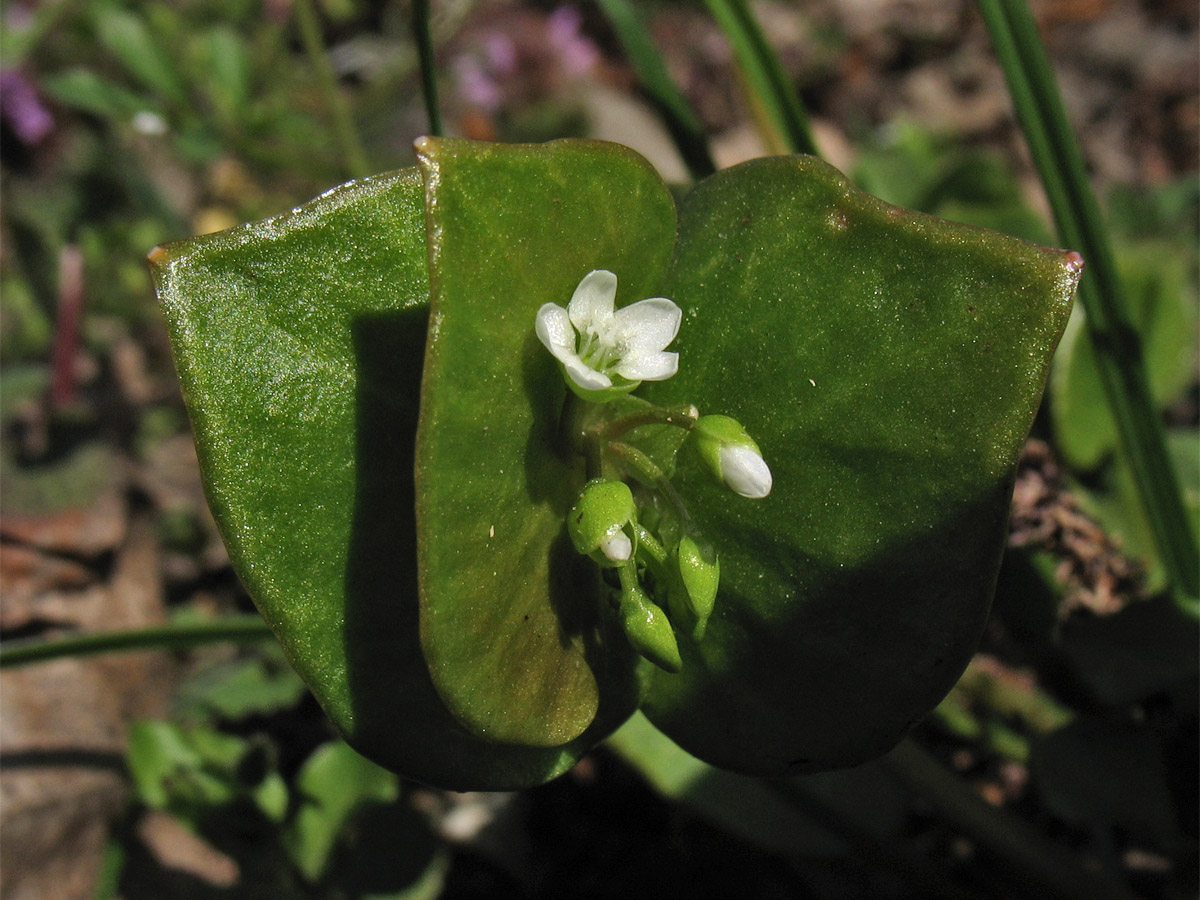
(645,470)
(575,440)
(655,553)
(683,418)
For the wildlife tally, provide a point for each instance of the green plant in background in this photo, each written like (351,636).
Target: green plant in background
(887,365)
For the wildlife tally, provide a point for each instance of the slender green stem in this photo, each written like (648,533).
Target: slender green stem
(429,91)
(765,76)
(627,575)
(354,158)
(1118,348)
(1046,869)
(645,470)
(174,636)
(575,440)
(685,129)
(683,418)
(651,551)
(641,466)
(899,856)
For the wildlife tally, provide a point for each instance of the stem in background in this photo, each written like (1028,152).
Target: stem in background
(898,855)
(765,76)
(424,38)
(1118,348)
(66,326)
(20,45)
(354,158)
(1046,869)
(175,636)
(685,129)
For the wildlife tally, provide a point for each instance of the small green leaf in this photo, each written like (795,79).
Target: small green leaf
(85,90)
(1100,772)
(223,58)
(333,782)
(185,771)
(889,366)
(519,641)
(126,37)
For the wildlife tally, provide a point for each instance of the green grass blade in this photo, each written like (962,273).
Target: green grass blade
(765,77)
(173,636)
(429,91)
(668,99)
(1118,348)
(354,157)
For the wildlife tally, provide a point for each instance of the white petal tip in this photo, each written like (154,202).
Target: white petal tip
(745,472)
(617,548)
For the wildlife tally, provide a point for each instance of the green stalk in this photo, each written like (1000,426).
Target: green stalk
(765,77)
(1080,225)
(685,129)
(1044,868)
(173,636)
(429,91)
(354,158)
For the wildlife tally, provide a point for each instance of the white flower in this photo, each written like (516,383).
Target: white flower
(606,350)
(744,471)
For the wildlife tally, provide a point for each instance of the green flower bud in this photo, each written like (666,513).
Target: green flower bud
(596,523)
(700,573)
(649,631)
(731,455)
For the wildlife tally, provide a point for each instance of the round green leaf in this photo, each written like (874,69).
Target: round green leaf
(889,366)
(299,343)
(520,642)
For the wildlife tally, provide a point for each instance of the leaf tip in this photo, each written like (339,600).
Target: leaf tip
(1073,262)
(158,256)
(425,146)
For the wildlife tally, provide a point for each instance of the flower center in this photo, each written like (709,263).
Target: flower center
(599,350)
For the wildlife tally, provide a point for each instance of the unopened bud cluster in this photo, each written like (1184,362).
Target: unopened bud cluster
(668,573)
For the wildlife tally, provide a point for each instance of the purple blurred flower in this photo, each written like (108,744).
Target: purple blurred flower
(476,84)
(22,108)
(576,53)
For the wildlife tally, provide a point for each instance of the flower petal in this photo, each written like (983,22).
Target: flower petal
(618,548)
(591,306)
(648,325)
(554,330)
(648,366)
(584,375)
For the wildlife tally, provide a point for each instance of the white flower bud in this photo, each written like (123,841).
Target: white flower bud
(744,471)
(617,548)
(732,456)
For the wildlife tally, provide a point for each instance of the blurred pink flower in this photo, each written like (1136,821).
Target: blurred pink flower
(23,109)
(576,53)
